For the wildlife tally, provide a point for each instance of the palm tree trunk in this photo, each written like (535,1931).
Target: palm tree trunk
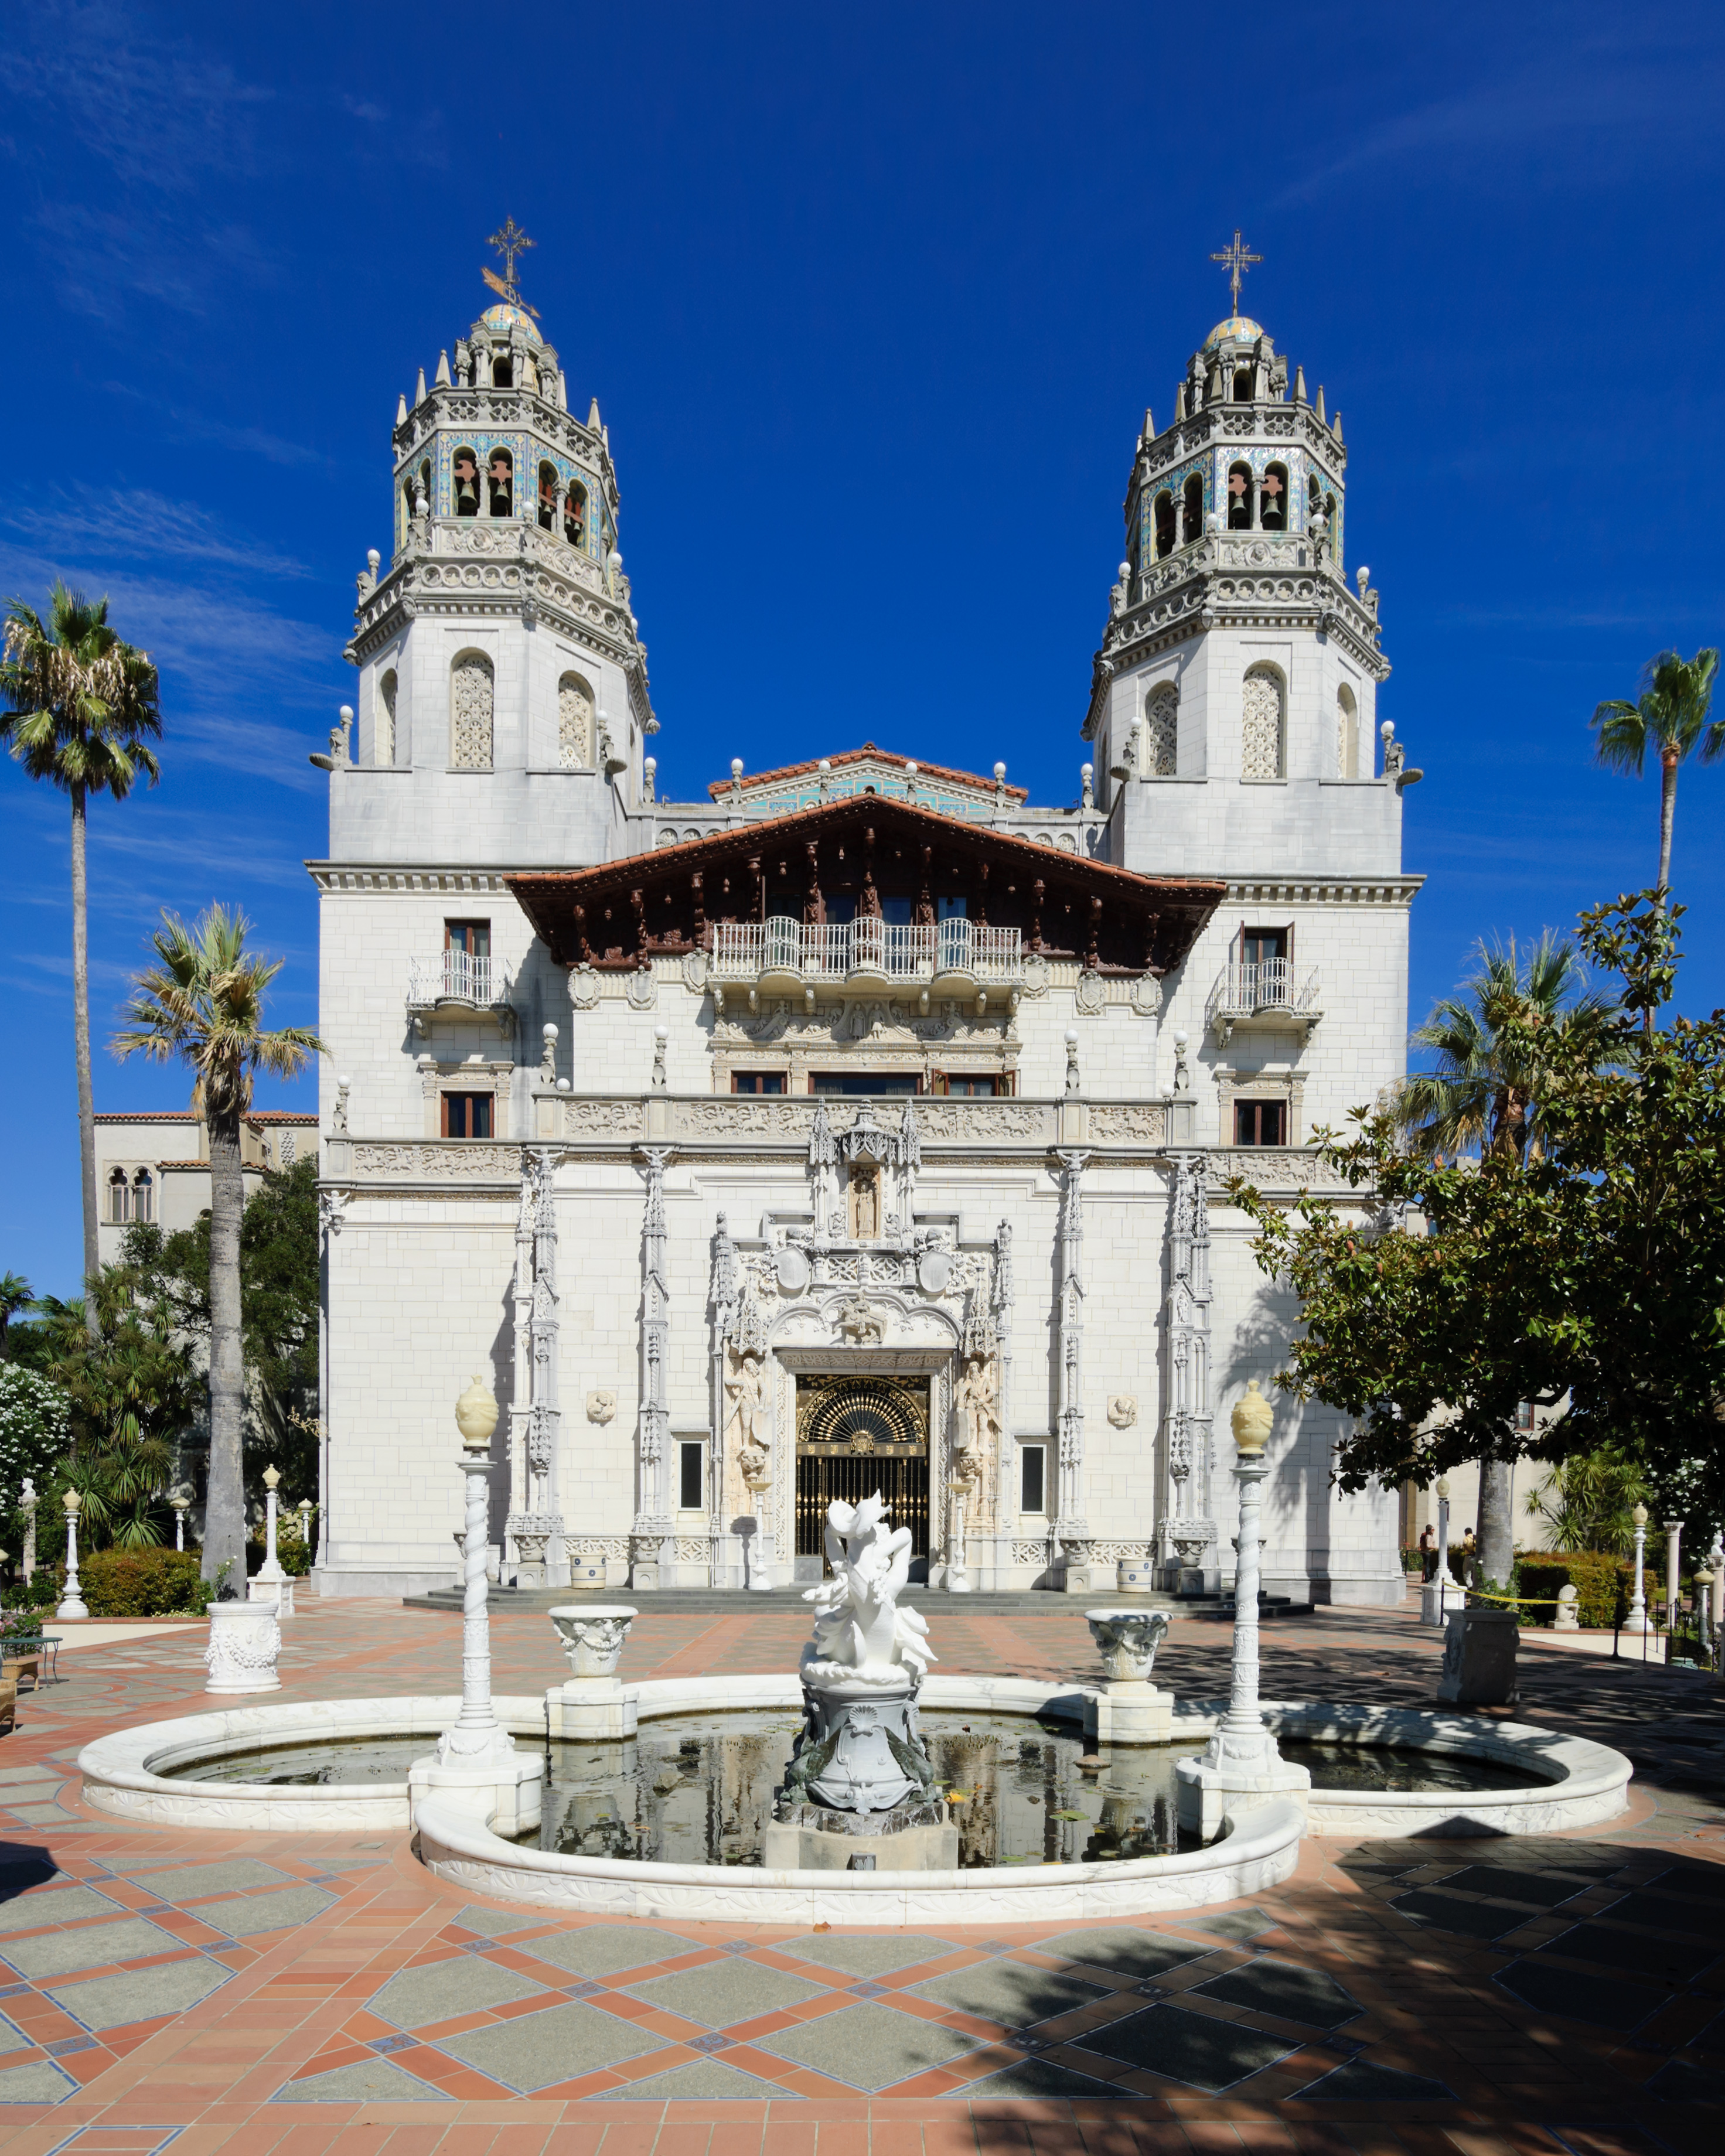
(1496,1529)
(225,1507)
(81,1031)
(1667,816)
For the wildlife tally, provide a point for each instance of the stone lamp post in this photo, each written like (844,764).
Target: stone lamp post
(1638,1607)
(759,1556)
(475,1764)
(28,1502)
(182,1505)
(1703,1613)
(1673,1570)
(1240,1768)
(72,1601)
(958,1580)
(270,1583)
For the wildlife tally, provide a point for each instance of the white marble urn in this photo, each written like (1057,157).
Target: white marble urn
(593,1636)
(1127,1639)
(244,1641)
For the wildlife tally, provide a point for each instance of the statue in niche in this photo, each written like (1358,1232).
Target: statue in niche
(743,1388)
(979,1404)
(865,1204)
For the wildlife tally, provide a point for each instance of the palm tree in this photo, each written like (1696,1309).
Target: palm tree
(1669,717)
(82,714)
(204,1001)
(1481,1093)
(16,1294)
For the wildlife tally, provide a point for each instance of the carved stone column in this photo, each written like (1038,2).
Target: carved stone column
(1186,1532)
(537,1528)
(652,1528)
(1001,1303)
(1071,1527)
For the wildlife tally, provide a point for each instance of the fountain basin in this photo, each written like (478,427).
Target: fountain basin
(1570,1782)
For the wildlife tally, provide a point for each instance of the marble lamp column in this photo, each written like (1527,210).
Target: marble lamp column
(1241,1768)
(1638,1607)
(270,1583)
(475,1764)
(72,1601)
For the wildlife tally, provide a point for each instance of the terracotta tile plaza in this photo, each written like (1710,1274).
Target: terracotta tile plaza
(306,1993)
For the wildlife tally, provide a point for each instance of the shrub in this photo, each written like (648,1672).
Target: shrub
(142,1582)
(1596,1576)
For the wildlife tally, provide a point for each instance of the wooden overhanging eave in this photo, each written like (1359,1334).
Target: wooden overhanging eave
(1167,912)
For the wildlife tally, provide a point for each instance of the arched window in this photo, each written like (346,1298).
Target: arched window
(547,498)
(1240,498)
(1192,511)
(1273,499)
(119,1197)
(384,720)
(500,472)
(1242,385)
(1262,738)
(1164,515)
(1347,734)
(502,370)
(464,470)
(470,702)
(1335,523)
(575,515)
(1162,730)
(143,1195)
(574,723)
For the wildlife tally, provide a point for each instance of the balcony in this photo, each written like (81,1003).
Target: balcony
(454,985)
(1265,994)
(782,957)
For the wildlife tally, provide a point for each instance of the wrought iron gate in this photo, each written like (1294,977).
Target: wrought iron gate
(856,1435)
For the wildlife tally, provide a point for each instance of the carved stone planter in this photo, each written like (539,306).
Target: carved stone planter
(592,1702)
(244,1641)
(1127,1708)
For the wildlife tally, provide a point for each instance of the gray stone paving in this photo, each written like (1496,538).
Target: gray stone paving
(65,1905)
(248,1913)
(418,1997)
(726,1992)
(92,1946)
(187,1881)
(859,1955)
(1195,2048)
(532,2051)
(606,1950)
(1010,1992)
(867,2047)
(142,1995)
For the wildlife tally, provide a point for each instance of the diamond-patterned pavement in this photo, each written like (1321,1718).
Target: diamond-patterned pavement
(1554,1997)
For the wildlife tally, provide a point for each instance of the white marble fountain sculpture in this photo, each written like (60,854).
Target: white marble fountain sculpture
(861,1766)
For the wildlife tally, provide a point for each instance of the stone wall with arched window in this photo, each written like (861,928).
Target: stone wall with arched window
(1264,732)
(574,723)
(471,712)
(1162,730)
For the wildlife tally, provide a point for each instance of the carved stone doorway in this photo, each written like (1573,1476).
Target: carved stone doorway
(858,1432)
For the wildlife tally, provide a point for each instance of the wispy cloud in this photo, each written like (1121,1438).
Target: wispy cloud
(201,426)
(97,523)
(1619,101)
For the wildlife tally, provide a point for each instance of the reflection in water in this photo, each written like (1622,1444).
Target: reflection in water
(701,1790)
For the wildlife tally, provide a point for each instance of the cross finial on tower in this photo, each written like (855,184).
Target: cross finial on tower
(509,242)
(1238,260)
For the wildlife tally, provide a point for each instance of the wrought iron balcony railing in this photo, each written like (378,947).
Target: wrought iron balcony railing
(454,984)
(1264,992)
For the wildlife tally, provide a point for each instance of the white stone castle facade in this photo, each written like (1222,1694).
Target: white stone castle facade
(862,1125)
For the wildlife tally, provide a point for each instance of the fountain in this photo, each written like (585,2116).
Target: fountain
(864,1787)
(861,1771)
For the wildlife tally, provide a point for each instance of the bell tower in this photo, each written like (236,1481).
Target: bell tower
(502,709)
(1234,699)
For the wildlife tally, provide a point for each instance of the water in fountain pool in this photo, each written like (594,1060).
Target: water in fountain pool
(691,1790)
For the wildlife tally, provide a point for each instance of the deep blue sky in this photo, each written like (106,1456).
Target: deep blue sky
(873,302)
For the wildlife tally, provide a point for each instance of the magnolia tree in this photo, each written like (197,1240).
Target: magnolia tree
(1590,1272)
(35,1431)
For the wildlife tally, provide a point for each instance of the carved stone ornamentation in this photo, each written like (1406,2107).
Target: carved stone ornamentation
(1122,1410)
(1127,1639)
(600,1406)
(1091,997)
(583,987)
(593,1639)
(642,992)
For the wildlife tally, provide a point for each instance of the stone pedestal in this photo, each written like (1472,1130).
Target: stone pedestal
(1439,1597)
(800,1845)
(1075,1577)
(1479,1658)
(1128,1712)
(278,1593)
(504,1788)
(244,1641)
(862,1750)
(592,1702)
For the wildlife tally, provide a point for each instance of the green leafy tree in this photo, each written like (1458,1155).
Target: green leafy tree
(279,1299)
(1587,1500)
(35,1432)
(81,714)
(130,1384)
(16,1294)
(203,1002)
(1488,1045)
(1594,1268)
(1670,719)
